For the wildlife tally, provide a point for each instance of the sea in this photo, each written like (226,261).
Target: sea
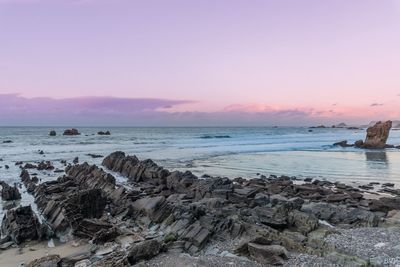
(218,151)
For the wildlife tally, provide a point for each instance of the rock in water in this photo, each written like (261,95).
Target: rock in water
(72,131)
(9,192)
(377,135)
(21,224)
(53,133)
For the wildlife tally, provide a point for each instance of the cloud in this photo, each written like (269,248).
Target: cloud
(16,110)
(376,104)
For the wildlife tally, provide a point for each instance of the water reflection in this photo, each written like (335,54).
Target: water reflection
(377,156)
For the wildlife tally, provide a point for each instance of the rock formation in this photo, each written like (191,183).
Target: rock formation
(9,192)
(72,131)
(377,135)
(53,133)
(104,133)
(267,218)
(376,138)
(21,224)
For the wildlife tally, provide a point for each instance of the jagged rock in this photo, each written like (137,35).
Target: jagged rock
(29,166)
(72,131)
(303,222)
(75,160)
(105,235)
(29,183)
(47,261)
(45,165)
(377,135)
(67,211)
(134,169)
(144,251)
(9,192)
(264,252)
(53,133)
(341,214)
(21,224)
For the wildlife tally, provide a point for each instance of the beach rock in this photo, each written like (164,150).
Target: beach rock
(264,253)
(72,131)
(75,160)
(7,141)
(53,133)
(377,135)
(144,251)
(47,261)
(105,235)
(21,224)
(9,192)
(136,170)
(65,210)
(338,215)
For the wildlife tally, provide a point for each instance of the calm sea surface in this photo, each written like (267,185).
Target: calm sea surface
(230,152)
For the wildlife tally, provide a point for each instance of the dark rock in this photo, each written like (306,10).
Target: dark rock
(341,214)
(265,254)
(45,165)
(41,152)
(20,224)
(144,251)
(76,160)
(359,143)
(53,133)
(72,131)
(9,192)
(105,235)
(47,261)
(29,166)
(343,144)
(95,156)
(7,167)
(388,185)
(7,142)
(104,133)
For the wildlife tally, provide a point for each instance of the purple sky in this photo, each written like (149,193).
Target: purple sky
(235,62)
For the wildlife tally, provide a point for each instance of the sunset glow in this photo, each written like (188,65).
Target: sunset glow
(310,61)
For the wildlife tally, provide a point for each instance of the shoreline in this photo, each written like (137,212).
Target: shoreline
(161,215)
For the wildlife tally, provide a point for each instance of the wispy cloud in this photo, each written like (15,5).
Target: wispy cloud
(376,104)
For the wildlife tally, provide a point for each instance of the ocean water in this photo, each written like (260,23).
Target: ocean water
(231,152)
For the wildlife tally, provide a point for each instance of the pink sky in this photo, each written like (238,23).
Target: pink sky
(332,61)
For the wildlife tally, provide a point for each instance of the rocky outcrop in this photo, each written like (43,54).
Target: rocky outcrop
(104,133)
(45,165)
(21,224)
(53,133)
(377,135)
(9,192)
(376,138)
(270,217)
(72,131)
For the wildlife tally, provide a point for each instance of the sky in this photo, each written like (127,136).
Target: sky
(208,62)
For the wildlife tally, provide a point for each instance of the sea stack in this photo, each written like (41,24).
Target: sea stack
(377,135)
